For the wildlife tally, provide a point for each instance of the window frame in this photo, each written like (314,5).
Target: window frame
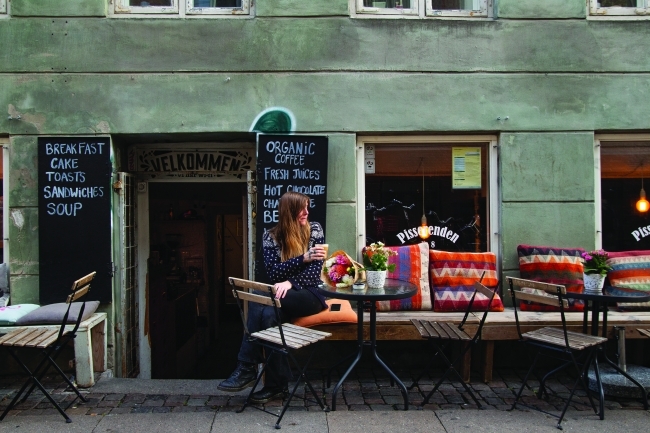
(180,8)
(619,11)
(598,139)
(421,9)
(482,12)
(490,141)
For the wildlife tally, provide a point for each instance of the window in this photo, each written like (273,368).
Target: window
(624,173)
(425,8)
(3,7)
(451,181)
(183,7)
(619,7)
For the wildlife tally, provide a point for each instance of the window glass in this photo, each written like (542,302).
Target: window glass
(148,3)
(619,7)
(216,3)
(388,7)
(624,173)
(410,180)
(183,7)
(3,6)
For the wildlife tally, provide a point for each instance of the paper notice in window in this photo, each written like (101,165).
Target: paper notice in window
(466,164)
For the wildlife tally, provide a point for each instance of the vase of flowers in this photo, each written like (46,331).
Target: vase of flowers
(340,270)
(595,270)
(375,263)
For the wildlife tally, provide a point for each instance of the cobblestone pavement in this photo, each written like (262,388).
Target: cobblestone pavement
(365,390)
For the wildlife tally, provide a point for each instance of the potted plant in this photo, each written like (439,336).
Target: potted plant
(595,270)
(375,263)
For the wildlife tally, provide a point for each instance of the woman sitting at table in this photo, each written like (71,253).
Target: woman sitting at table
(293,263)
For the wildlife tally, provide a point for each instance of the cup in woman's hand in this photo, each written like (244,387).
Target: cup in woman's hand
(325,247)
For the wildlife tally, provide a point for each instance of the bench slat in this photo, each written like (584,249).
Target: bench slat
(44,339)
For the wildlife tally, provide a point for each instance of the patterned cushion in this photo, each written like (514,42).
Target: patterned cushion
(630,269)
(452,278)
(412,264)
(552,265)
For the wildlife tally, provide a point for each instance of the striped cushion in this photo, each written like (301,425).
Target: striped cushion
(552,265)
(452,278)
(630,269)
(411,264)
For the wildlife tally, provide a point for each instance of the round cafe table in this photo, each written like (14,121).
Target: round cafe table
(366,297)
(612,378)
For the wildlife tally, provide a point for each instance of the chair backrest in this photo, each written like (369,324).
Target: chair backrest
(265,296)
(536,291)
(479,288)
(79,288)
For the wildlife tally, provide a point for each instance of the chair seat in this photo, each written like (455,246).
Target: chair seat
(440,330)
(295,336)
(555,336)
(30,337)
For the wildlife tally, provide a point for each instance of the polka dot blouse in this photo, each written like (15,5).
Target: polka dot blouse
(301,275)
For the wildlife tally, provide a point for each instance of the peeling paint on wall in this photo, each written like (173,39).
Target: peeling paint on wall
(18,218)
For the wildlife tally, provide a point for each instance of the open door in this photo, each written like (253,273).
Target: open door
(128,360)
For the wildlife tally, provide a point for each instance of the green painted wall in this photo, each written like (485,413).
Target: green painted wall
(547,191)
(297,8)
(536,9)
(66,8)
(161,45)
(323,102)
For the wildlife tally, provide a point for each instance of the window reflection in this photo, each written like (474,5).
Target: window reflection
(143,3)
(397,4)
(395,201)
(625,167)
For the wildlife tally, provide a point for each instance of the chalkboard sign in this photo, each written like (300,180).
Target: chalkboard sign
(288,163)
(74,216)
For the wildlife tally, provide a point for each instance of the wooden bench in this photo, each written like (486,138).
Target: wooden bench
(89,347)
(499,326)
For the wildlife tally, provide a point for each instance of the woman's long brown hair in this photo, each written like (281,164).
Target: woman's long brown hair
(292,237)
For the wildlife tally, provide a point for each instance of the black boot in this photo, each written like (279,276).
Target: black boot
(269,393)
(243,377)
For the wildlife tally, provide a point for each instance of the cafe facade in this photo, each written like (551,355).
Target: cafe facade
(136,139)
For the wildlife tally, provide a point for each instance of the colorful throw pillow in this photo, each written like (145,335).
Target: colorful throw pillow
(552,265)
(11,313)
(411,264)
(630,269)
(453,276)
(337,311)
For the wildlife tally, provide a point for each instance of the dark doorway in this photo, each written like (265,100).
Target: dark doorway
(197,233)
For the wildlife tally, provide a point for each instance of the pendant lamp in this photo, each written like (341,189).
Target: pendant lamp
(423,230)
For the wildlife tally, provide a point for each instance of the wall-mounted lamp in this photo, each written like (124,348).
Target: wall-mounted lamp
(423,230)
(642,204)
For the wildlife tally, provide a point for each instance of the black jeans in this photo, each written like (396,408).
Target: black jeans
(296,303)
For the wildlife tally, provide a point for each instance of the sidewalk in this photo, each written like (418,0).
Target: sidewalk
(367,404)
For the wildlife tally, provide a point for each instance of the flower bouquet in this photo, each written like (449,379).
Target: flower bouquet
(375,257)
(340,270)
(375,262)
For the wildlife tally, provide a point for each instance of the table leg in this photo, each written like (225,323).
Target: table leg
(360,343)
(373,345)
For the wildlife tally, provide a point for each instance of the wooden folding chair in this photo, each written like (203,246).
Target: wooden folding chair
(570,348)
(441,334)
(48,343)
(279,340)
